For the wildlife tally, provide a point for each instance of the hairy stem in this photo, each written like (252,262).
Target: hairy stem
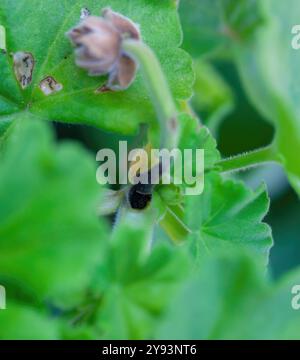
(158,89)
(249,159)
(166,110)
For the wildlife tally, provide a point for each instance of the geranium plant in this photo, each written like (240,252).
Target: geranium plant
(83,261)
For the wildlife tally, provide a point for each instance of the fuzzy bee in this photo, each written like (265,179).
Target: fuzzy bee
(139,196)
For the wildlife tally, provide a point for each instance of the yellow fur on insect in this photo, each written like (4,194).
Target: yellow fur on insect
(141,161)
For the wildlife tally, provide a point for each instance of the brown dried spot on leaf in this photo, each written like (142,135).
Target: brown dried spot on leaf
(49,86)
(23,67)
(103,89)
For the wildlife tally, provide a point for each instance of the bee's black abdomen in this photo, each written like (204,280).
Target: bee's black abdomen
(138,200)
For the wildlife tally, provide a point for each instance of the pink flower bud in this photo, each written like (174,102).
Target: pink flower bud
(98,42)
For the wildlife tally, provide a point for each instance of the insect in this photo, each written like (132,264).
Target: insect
(139,196)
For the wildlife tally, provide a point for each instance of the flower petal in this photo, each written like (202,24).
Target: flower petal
(123,74)
(98,44)
(124,25)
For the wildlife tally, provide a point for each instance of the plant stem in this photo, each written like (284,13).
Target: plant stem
(174,226)
(249,159)
(158,89)
(166,110)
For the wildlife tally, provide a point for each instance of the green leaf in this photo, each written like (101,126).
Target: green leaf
(50,237)
(42,33)
(19,322)
(228,216)
(194,136)
(136,283)
(6,107)
(83,332)
(5,123)
(213,98)
(269,70)
(230,299)
(210,25)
